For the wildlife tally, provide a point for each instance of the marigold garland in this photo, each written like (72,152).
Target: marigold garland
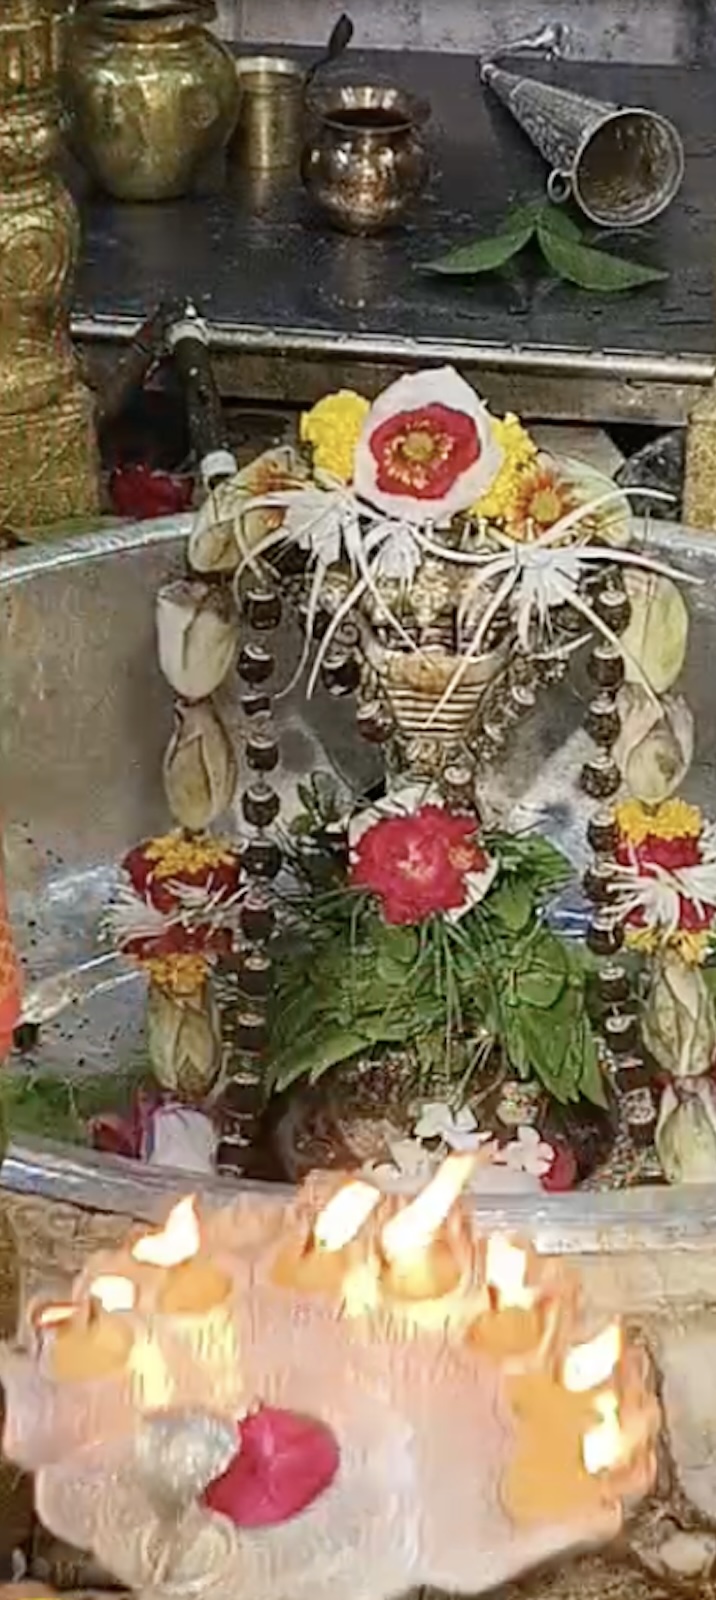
(520,453)
(332,429)
(673,819)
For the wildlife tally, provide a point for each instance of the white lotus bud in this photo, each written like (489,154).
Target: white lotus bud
(184,1040)
(686,1133)
(657,634)
(197,631)
(655,746)
(222,531)
(678,1021)
(199,767)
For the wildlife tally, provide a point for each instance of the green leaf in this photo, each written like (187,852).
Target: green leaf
(484,255)
(540,984)
(513,903)
(397,945)
(558,220)
(591,1077)
(592,269)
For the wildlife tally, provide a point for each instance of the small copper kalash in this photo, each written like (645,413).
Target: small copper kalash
(365,159)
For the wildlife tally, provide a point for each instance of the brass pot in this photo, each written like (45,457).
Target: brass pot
(365,160)
(152,94)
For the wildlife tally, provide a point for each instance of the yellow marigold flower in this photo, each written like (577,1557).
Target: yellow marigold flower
(691,947)
(174,854)
(519,453)
(332,429)
(673,819)
(179,974)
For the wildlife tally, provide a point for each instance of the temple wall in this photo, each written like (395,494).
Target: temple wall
(619,30)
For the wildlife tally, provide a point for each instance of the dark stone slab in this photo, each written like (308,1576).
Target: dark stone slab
(268,263)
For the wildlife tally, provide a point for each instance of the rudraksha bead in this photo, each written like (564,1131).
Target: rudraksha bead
(621,1032)
(605,936)
(256,703)
(260,805)
(232,1153)
(602,831)
(262,751)
(262,858)
(251,1031)
(258,918)
(613,983)
(241,1095)
(601,721)
(340,673)
(606,666)
(600,778)
(255,664)
(254,972)
(458,786)
(262,609)
(598,882)
(374,722)
(612,605)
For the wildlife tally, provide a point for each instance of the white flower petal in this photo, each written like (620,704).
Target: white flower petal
(434,1118)
(414,392)
(464,1142)
(476,887)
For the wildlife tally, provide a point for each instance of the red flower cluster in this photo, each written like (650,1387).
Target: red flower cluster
(158,870)
(421,453)
(143,492)
(418,865)
(671,855)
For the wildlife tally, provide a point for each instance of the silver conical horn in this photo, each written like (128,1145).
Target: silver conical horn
(622,164)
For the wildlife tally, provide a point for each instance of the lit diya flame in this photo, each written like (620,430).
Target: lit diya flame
(178,1241)
(587,1366)
(191,1286)
(421,1263)
(519,1320)
(604,1446)
(506,1274)
(113,1293)
(344,1216)
(319,1263)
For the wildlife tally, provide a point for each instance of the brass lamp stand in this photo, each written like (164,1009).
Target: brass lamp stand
(49,469)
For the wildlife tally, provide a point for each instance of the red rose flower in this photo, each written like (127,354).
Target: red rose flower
(422,452)
(418,865)
(563,1172)
(142,492)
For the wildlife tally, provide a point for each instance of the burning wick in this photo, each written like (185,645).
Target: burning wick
(514,1324)
(586,1366)
(603,1445)
(191,1285)
(90,1341)
(318,1264)
(420,1262)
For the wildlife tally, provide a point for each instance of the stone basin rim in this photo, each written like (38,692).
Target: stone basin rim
(612,1222)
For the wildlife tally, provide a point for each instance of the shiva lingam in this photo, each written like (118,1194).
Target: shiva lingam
(208,1381)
